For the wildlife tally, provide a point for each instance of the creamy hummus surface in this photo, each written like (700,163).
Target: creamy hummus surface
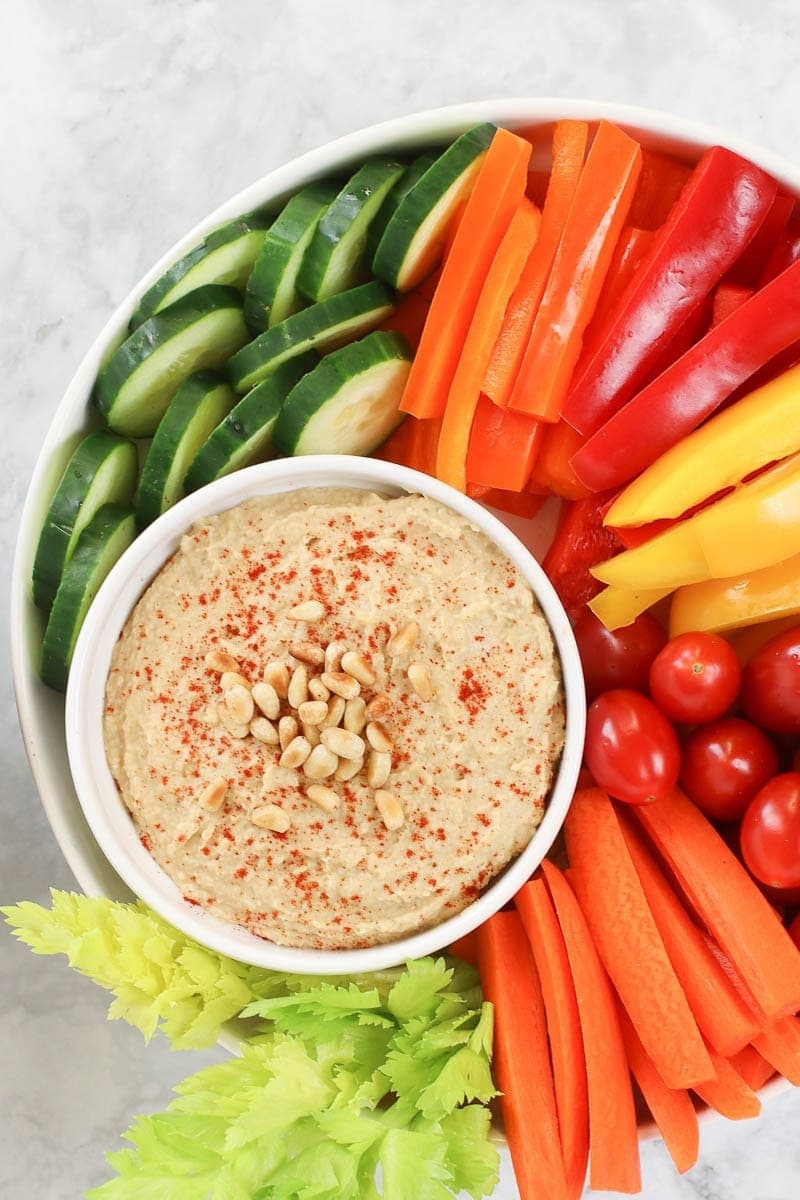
(466,705)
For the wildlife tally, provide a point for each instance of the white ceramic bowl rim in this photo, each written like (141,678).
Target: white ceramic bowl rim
(102,806)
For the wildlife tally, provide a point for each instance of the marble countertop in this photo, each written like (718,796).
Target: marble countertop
(121,126)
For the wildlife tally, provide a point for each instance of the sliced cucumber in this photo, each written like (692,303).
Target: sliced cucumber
(102,470)
(108,534)
(414,239)
(271,294)
(350,402)
(202,329)
(335,257)
(224,256)
(197,407)
(319,327)
(245,435)
(410,176)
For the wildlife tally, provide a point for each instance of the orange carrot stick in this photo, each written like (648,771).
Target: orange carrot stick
(564,1029)
(779,1044)
(498,190)
(569,150)
(552,469)
(727,1093)
(730,905)
(465,390)
(753,1067)
(594,223)
(465,948)
(613,1136)
(725,1020)
(397,447)
(629,943)
(671,1109)
(521,1057)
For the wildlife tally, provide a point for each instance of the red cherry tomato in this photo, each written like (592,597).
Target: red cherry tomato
(771,684)
(724,764)
(631,749)
(770,832)
(794,930)
(695,678)
(618,658)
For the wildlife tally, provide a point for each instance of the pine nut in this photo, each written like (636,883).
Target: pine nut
(311,734)
(357,666)
(378,707)
(312,712)
(264,731)
(336,710)
(239,704)
(333,655)
(212,798)
(317,690)
(324,797)
(343,743)
(379,737)
(276,674)
(389,807)
(287,731)
(341,684)
(404,639)
(295,753)
(236,729)
(267,700)
(272,818)
(298,687)
(320,764)
(348,768)
(379,768)
(420,680)
(220,662)
(229,679)
(355,715)
(308,652)
(211,715)
(309,610)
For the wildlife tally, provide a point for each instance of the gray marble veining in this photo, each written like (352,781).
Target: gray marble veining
(120,126)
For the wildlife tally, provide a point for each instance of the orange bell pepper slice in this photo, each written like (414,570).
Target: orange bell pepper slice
(503,446)
(552,470)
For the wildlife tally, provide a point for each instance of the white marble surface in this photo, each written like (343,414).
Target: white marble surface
(120,125)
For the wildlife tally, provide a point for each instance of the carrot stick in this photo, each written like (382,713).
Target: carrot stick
(569,150)
(465,390)
(521,1057)
(599,208)
(753,1067)
(465,948)
(398,446)
(564,1029)
(629,943)
(498,190)
(613,1136)
(779,1044)
(552,469)
(727,1093)
(503,446)
(730,905)
(671,1109)
(725,1020)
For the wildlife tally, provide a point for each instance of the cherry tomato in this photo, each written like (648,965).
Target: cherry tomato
(771,684)
(794,930)
(631,749)
(724,764)
(618,658)
(770,832)
(695,678)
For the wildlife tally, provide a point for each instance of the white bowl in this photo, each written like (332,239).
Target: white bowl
(104,810)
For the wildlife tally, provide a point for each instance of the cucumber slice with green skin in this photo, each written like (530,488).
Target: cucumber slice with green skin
(224,256)
(198,406)
(271,294)
(335,257)
(102,470)
(245,435)
(202,329)
(414,239)
(319,327)
(410,176)
(108,534)
(350,402)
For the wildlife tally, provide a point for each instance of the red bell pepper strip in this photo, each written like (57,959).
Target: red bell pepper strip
(715,217)
(749,267)
(695,386)
(596,217)
(786,252)
(552,470)
(628,254)
(727,298)
(569,151)
(503,446)
(581,542)
(660,184)
(498,190)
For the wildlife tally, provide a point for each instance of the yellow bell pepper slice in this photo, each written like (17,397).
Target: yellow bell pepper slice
(753,527)
(722,604)
(757,430)
(615,607)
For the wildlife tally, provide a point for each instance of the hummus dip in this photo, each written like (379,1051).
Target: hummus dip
(458,673)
